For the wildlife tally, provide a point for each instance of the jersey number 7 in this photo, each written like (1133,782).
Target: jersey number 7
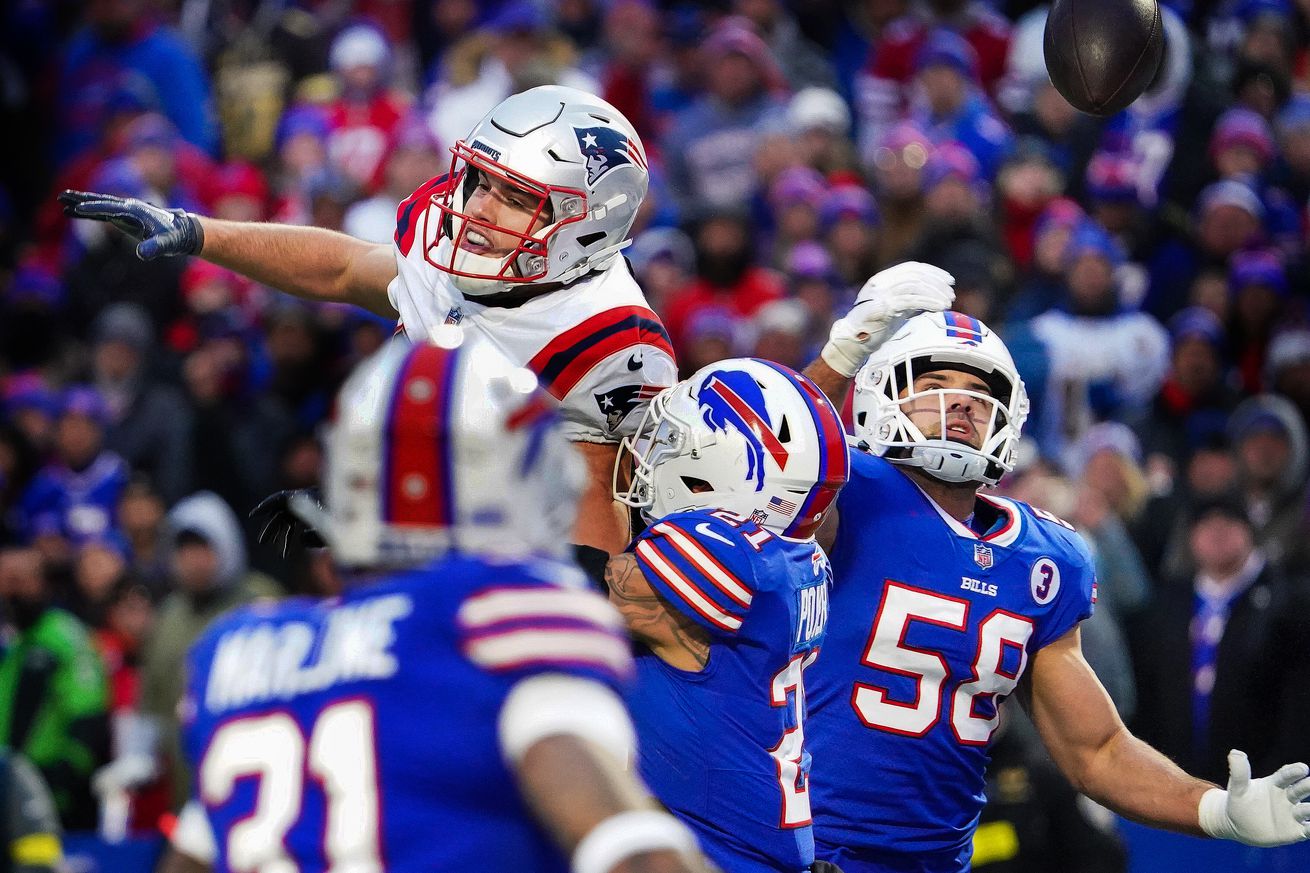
(887,650)
(272,749)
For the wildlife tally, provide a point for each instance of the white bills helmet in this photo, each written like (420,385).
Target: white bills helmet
(440,447)
(884,389)
(574,159)
(749,436)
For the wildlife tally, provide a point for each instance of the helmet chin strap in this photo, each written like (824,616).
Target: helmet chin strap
(948,463)
(464,261)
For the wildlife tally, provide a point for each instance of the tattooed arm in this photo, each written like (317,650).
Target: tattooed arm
(676,639)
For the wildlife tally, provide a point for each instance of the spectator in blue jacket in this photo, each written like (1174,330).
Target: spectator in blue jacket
(73,499)
(119,40)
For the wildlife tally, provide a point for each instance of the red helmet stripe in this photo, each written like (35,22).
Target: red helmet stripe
(417,475)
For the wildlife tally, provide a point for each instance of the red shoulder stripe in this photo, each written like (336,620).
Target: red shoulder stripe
(565,360)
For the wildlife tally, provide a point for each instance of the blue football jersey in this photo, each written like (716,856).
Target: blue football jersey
(724,748)
(359,732)
(936,625)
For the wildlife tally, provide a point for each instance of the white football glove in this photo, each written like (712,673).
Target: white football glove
(1258,812)
(883,304)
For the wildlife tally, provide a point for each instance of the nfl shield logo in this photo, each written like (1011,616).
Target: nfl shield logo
(982,555)
(455,316)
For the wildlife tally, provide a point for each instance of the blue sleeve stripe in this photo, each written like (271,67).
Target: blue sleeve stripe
(720,576)
(665,573)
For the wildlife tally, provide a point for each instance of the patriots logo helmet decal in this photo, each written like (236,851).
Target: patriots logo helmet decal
(604,148)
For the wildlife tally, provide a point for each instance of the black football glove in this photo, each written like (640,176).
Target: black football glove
(161,232)
(281,528)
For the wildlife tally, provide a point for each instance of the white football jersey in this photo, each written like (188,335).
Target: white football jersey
(596,346)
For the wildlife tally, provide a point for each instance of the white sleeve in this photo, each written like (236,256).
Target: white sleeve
(550,704)
(608,403)
(193,836)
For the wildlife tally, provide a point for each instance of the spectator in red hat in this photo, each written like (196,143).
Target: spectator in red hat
(1025,184)
(238,191)
(1242,145)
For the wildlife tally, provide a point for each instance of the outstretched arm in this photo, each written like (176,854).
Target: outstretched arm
(305,261)
(308,262)
(1106,762)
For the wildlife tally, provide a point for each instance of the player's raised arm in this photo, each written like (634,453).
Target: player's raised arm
(308,262)
(886,300)
(1106,762)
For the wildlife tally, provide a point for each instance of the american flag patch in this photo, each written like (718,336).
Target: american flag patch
(786,507)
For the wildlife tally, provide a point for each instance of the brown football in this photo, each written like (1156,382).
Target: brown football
(1102,54)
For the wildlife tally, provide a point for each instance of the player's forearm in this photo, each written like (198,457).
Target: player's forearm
(598,790)
(309,262)
(1138,782)
(830,382)
(602,521)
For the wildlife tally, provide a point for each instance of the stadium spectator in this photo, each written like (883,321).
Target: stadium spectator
(1287,369)
(209,578)
(726,273)
(710,143)
(849,220)
(803,64)
(149,423)
(821,121)
(954,109)
(1269,438)
(409,163)
(53,699)
(120,39)
(1103,360)
(1195,399)
(1258,286)
(898,168)
(882,88)
(73,498)
(141,521)
(367,112)
(1212,645)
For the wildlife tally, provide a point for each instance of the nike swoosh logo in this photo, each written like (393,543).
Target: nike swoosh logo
(634,363)
(704,530)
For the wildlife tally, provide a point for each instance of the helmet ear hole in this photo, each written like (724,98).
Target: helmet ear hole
(696,486)
(861,417)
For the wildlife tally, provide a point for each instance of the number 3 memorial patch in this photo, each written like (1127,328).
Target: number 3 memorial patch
(1045,581)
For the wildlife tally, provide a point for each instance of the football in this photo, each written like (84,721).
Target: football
(1102,54)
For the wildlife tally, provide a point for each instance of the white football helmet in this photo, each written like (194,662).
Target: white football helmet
(884,391)
(574,158)
(749,436)
(438,447)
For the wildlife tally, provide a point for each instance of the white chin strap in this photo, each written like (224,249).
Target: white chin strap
(948,461)
(465,261)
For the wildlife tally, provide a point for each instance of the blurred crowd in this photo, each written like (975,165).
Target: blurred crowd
(1147,271)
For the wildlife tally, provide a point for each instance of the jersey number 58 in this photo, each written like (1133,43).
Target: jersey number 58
(887,650)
